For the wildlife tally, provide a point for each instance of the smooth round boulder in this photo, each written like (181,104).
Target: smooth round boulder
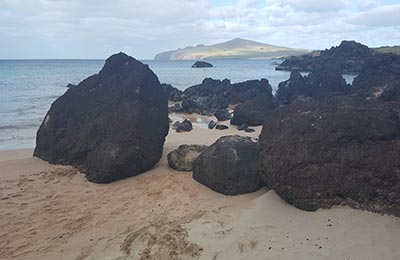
(110,126)
(229,166)
(181,159)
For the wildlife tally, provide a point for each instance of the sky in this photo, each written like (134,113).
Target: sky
(142,28)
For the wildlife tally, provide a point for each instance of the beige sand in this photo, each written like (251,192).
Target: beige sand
(52,212)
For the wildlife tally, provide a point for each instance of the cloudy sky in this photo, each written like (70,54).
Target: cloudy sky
(142,28)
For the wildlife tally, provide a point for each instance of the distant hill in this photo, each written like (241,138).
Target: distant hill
(392,49)
(234,49)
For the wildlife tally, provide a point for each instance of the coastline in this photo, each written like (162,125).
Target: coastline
(51,211)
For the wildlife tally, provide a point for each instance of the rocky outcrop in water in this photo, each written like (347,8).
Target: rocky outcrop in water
(182,158)
(229,166)
(342,150)
(348,58)
(202,64)
(111,126)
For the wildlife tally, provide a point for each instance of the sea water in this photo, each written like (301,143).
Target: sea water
(28,87)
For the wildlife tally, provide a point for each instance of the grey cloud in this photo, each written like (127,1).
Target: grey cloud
(382,16)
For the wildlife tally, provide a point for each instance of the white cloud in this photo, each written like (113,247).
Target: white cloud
(97,28)
(311,5)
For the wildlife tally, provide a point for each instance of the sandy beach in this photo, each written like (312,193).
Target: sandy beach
(52,212)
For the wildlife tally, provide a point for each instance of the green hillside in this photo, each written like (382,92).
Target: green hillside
(234,49)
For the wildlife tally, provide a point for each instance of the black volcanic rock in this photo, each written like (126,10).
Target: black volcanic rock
(212,95)
(248,90)
(378,71)
(253,112)
(325,82)
(201,64)
(184,126)
(290,89)
(342,150)
(111,126)
(318,84)
(243,127)
(221,127)
(206,98)
(391,91)
(223,115)
(348,58)
(173,93)
(229,166)
(212,124)
(181,159)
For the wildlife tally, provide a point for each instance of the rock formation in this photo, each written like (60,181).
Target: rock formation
(348,58)
(253,112)
(318,84)
(172,93)
(202,64)
(378,71)
(111,126)
(342,150)
(182,158)
(212,95)
(229,166)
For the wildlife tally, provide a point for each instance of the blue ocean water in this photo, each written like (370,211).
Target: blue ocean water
(28,87)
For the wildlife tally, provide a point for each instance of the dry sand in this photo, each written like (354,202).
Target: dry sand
(52,212)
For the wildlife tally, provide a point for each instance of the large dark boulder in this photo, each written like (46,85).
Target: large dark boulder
(202,64)
(248,90)
(342,150)
(318,84)
(181,159)
(290,89)
(325,82)
(378,71)
(229,166)
(111,126)
(253,112)
(212,95)
(206,98)
(348,58)
(173,94)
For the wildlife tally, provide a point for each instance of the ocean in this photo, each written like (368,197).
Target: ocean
(28,87)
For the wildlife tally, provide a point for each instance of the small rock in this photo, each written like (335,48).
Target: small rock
(249,130)
(242,127)
(223,115)
(212,124)
(185,126)
(221,127)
